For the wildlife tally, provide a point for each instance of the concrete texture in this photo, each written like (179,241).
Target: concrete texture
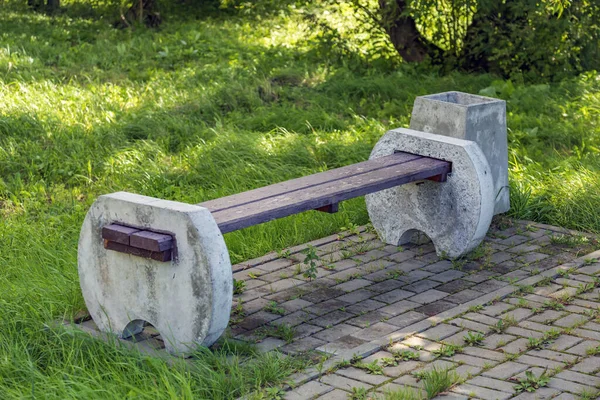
(455,214)
(187,300)
(477,118)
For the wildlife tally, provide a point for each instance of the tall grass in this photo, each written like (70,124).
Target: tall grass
(209,105)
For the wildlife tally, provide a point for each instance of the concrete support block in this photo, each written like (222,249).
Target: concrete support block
(455,214)
(187,299)
(477,118)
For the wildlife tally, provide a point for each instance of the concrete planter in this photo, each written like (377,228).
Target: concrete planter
(476,118)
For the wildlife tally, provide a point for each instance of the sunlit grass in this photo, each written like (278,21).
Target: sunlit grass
(210,105)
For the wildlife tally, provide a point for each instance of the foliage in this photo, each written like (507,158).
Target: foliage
(310,262)
(530,383)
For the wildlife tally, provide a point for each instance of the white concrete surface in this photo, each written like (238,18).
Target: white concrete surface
(455,214)
(188,300)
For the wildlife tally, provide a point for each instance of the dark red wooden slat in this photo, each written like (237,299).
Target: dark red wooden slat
(306,182)
(162,256)
(330,192)
(330,208)
(151,241)
(118,233)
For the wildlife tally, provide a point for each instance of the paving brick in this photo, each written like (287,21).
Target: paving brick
(582,348)
(564,342)
(364,306)
(466,371)
(393,296)
(336,332)
(497,340)
(323,294)
(588,365)
(362,375)
(295,305)
(534,326)
(402,368)
(457,339)
(483,353)
(490,383)
(386,285)
(375,331)
(579,378)
(566,396)
(461,297)
(415,275)
(584,333)
(484,319)
(471,325)
(439,332)
(327,307)
(540,394)
(505,370)
(546,316)
(425,344)
(368,319)
(517,331)
(496,309)
(480,276)
(489,286)
(347,342)
(302,345)
(399,307)
(553,355)
(519,314)
(406,319)
(335,394)
(481,393)
(258,319)
(539,362)
(352,285)
(333,318)
(343,383)
(422,286)
(472,360)
(435,308)
(308,390)
(428,296)
(356,296)
(447,276)
(570,320)
(515,347)
(568,386)
(592,326)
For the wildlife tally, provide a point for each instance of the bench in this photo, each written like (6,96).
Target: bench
(143,259)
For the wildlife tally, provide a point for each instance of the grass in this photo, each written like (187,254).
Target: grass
(209,105)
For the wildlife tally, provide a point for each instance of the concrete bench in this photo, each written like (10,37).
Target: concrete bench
(143,259)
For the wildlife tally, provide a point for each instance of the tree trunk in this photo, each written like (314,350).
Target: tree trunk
(141,11)
(403,32)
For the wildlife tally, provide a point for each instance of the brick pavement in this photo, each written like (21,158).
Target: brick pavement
(531,291)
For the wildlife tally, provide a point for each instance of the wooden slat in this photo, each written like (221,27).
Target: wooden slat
(118,233)
(151,241)
(329,192)
(306,182)
(162,256)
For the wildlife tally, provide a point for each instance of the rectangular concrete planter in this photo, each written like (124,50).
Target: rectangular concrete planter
(477,118)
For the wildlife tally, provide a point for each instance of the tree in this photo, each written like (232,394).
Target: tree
(538,38)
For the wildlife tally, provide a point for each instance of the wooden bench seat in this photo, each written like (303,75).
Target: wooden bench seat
(323,191)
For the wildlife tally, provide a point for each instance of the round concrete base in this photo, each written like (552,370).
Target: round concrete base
(188,300)
(455,214)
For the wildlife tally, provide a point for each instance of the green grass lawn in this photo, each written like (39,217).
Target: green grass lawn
(208,105)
